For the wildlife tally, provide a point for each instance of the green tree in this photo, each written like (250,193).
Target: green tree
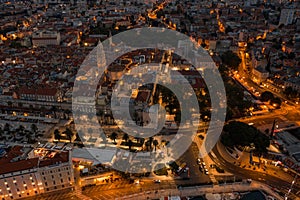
(69,134)
(129,143)
(232,60)
(57,135)
(276,102)
(113,136)
(155,143)
(125,137)
(147,144)
(241,134)
(266,96)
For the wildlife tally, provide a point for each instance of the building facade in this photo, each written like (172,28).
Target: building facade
(35,172)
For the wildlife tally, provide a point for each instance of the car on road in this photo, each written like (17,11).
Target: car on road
(200,168)
(200,160)
(206,171)
(156,181)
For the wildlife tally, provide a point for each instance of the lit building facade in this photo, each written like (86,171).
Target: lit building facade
(27,174)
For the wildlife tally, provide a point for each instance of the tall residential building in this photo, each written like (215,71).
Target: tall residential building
(286,16)
(26,172)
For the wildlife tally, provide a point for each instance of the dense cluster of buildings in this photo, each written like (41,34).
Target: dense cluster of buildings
(44,42)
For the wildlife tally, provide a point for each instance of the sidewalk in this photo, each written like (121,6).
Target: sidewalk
(200,190)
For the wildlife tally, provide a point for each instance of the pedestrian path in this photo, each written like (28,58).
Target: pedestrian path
(200,190)
(79,194)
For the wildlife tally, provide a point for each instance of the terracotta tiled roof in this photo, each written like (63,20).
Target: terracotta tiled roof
(18,165)
(59,157)
(7,166)
(38,91)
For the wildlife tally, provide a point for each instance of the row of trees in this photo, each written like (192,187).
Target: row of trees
(269,97)
(129,142)
(30,133)
(68,134)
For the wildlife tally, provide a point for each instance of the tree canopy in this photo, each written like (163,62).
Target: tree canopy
(231,59)
(241,134)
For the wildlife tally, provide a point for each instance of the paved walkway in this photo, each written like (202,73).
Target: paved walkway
(200,190)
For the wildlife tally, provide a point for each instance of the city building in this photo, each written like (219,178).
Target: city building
(40,94)
(44,38)
(286,16)
(27,171)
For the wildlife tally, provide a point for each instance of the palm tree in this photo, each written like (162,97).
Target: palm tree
(114,136)
(155,143)
(147,144)
(69,134)
(57,135)
(130,143)
(125,137)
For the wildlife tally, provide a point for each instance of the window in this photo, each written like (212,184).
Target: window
(35,192)
(53,182)
(55,187)
(46,184)
(28,194)
(52,177)
(60,175)
(44,177)
(61,180)
(47,189)
(20,195)
(63,186)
